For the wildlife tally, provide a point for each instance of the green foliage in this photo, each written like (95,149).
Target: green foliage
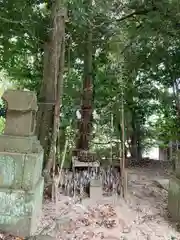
(135,51)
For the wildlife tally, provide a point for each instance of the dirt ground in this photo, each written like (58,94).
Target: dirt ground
(143,215)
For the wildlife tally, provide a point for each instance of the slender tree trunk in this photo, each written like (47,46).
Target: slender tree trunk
(139,146)
(51,88)
(133,148)
(176,97)
(60,144)
(85,125)
(136,149)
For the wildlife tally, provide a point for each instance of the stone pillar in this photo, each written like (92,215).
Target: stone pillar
(21,158)
(96,192)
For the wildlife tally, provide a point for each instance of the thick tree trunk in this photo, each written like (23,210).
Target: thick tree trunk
(51,87)
(85,125)
(58,97)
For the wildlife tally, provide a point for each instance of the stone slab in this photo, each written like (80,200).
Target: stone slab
(19,144)
(19,100)
(96,191)
(96,183)
(174,198)
(20,210)
(20,170)
(20,124)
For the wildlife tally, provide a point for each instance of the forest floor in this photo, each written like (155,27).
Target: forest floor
(143,215)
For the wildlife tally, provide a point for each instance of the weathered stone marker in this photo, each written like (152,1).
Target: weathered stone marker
(96,192)
(21,157)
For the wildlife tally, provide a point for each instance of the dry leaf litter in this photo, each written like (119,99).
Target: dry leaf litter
(142,216)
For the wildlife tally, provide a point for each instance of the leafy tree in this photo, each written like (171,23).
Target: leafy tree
(135,48)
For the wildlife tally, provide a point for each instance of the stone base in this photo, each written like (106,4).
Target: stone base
(174,198)
(16,144)
(20,171)
(20,210)
(96,191)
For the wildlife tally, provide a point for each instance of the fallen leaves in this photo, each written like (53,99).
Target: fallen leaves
(92,221)
(6,236)
(103,215)
(83,222)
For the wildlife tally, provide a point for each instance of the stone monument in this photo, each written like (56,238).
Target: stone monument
(21,159)
(96,192)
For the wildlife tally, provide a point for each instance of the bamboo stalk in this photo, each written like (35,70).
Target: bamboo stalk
(111,153)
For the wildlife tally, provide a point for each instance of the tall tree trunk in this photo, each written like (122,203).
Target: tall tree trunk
(176,97)
(133,148)
(51,88)
(136,149)
(60,144)
(139,144)
(85,124)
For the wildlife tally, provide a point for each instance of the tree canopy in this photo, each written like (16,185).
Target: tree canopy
(135,55)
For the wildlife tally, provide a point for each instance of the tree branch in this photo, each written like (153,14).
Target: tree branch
(10,20)
(135,13)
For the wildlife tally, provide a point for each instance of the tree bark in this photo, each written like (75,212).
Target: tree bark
(51,88)
(85,124)
(176,97)
(62,138)
(135,149)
